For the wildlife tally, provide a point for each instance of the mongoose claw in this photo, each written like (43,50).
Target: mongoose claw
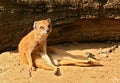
(32,68)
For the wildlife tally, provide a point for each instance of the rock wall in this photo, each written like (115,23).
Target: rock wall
(87,30)
(73,20)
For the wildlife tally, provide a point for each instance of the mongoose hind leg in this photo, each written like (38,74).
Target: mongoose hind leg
(82,63)
(41,63)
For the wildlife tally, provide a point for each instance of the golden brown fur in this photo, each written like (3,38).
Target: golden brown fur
(33,45)
(33,50)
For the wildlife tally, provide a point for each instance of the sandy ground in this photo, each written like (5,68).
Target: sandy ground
(13,71)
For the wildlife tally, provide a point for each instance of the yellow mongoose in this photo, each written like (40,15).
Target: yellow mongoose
(33,49)
(33,45)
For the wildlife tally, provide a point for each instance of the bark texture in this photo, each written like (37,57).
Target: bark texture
(73,20)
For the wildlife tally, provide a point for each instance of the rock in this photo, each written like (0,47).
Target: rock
(103,55)
(71,22)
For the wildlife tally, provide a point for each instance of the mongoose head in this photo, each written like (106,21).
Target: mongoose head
(43,27)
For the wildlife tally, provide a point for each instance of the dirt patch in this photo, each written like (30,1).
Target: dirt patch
(12,70)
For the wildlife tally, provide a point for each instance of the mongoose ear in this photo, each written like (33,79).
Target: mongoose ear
(49,20)
(34,25)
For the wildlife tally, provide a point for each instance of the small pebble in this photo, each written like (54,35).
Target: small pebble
(103,55)
(58,73)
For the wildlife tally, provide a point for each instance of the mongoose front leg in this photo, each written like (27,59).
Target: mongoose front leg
(29,58)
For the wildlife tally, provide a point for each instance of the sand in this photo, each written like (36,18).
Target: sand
(13,71)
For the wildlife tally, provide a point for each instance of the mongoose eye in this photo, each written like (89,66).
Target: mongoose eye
(41,27)
(49,26)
